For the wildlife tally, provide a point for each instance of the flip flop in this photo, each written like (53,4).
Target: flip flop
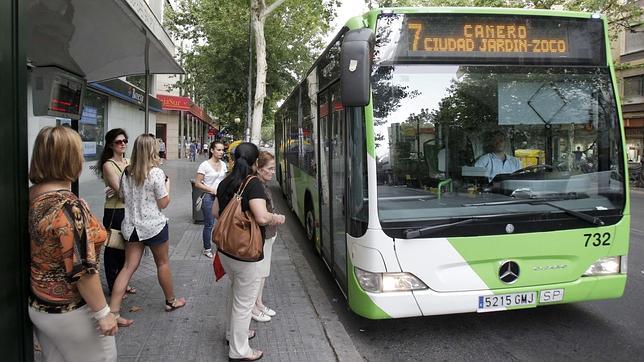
(175,304)
(130,290)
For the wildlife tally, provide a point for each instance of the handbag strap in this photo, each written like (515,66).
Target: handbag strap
(242,187)
(112,218)
(120,186)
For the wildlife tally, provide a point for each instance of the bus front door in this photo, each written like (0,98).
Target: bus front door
(324,179)
(338,186)
(332,182)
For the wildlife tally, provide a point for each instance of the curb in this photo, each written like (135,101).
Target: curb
(336,335)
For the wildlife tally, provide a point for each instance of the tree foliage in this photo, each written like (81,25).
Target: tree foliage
(217,58)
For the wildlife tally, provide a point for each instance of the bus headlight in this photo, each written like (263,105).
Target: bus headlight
(606,266)
(388,282)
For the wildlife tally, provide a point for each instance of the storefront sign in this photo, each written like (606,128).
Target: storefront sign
(126,92)
(134,94)
(174,103)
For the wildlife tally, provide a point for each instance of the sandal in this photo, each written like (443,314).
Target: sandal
(174,304)
(257,355)
(130,290)
(269,312)
(122,322)
(251,334)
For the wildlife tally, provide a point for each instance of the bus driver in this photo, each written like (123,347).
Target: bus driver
(496,161)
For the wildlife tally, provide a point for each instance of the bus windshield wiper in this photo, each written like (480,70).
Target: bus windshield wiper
(546,201)
(416,233)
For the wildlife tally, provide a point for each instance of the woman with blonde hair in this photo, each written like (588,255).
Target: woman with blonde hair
(146,191)
(67,301)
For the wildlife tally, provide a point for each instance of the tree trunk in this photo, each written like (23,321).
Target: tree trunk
(259,13)
(258,21)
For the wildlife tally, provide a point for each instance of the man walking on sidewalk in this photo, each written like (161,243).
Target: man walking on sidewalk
(193,150)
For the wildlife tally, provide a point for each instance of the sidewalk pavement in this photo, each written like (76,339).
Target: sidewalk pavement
(305,328)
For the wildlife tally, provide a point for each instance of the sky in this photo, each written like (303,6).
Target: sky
(347,10)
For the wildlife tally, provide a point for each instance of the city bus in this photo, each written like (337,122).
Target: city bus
(452,160)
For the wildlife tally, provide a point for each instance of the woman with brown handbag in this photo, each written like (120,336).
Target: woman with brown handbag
(244,279)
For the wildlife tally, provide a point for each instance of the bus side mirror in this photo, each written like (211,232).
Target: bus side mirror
(355,63)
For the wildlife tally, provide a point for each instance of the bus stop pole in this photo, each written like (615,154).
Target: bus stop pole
(75,182)
(146,103)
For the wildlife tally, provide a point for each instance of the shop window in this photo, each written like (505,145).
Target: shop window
(91,126)
(634,89)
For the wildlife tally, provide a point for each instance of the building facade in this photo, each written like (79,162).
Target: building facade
(628,54)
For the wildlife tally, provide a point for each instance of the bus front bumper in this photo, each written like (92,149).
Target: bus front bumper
(428,302)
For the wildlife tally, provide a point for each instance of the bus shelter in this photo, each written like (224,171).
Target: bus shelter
(49,50)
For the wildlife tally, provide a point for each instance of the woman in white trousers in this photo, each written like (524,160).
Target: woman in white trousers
(243,275)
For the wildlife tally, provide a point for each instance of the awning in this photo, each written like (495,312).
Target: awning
(98,39)
(175,103)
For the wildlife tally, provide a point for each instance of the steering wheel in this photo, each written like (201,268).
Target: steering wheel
(533,169)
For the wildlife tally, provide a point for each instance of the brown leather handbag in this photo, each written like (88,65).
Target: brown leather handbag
(237,233)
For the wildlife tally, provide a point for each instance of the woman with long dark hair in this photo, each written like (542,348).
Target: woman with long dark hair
(209,174)
(109,167)
(245,282)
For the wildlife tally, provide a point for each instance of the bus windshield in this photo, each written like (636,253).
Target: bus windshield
(450,136)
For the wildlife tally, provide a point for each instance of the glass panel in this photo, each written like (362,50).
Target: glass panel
(358,207)
(634,41)
(450,137)
(91,125)
(325,201)
(633,88)
(337,153)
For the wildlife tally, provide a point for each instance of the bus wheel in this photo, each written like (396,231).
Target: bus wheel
(309,222)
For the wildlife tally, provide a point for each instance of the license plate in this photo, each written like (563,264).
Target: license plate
(551,296)
(489,303)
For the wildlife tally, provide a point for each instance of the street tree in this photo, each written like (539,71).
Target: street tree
(219,54)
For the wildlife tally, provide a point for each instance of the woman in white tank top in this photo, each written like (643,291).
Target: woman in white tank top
(209,175)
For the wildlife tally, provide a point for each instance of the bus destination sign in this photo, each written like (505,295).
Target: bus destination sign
(502,38)
(488,37)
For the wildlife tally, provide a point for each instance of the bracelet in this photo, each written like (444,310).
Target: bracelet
(101,313)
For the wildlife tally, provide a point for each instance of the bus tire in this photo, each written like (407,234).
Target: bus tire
(309,219)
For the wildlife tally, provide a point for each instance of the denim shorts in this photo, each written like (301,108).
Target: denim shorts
(157,239)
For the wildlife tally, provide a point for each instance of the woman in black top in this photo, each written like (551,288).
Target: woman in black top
(243,275)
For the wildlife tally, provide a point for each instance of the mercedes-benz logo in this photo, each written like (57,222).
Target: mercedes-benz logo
(509,272)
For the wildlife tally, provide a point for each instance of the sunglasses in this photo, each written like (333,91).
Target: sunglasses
(121,142)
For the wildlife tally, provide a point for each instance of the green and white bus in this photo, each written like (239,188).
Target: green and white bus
(450,160)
